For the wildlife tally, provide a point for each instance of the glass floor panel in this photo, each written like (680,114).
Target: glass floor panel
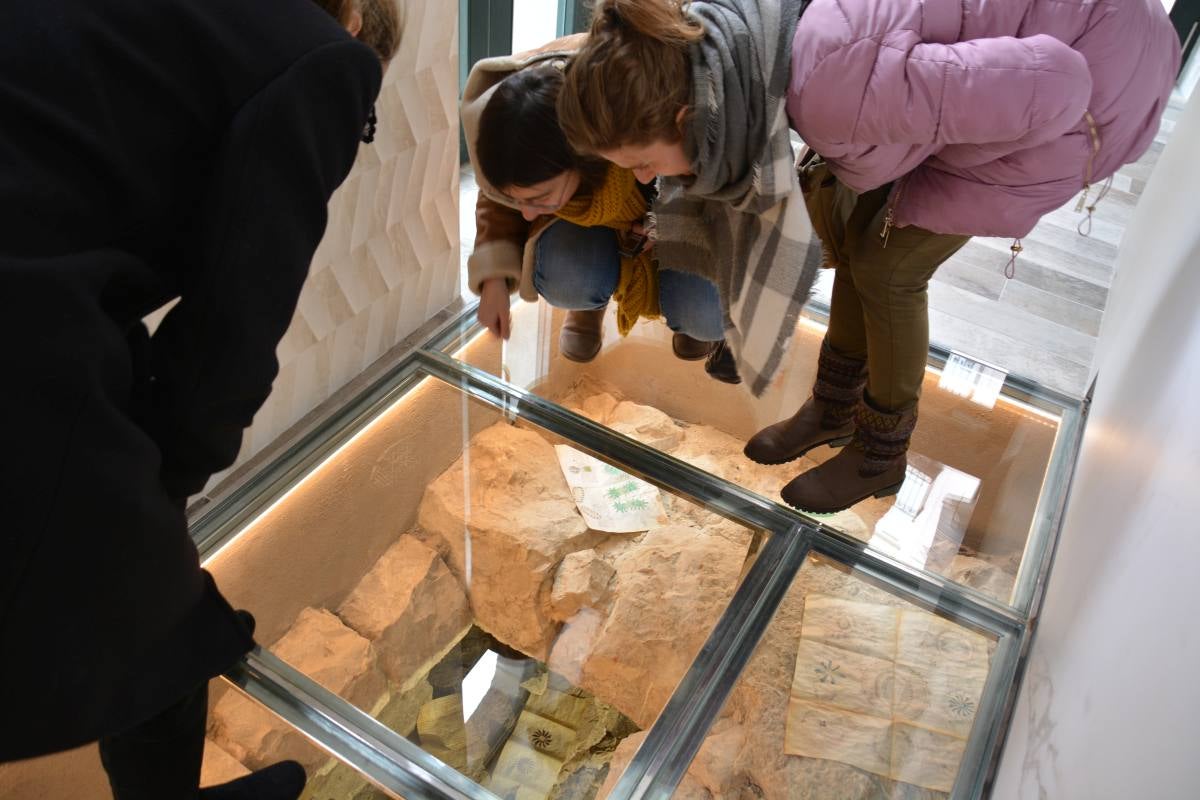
(508,602)
(493,573)
(976,502)
(852,694)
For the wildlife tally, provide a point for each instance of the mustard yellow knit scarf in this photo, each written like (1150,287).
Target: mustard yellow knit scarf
(617,204)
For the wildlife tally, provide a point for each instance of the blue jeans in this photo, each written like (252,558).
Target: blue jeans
(578,268)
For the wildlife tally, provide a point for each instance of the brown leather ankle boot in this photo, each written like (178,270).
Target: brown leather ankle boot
(825,418)
(581,334)
(874,465)
(686,348)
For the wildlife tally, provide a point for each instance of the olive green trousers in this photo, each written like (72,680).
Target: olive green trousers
(880,307)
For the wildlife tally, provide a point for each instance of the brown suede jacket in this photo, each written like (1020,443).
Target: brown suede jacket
(504,241)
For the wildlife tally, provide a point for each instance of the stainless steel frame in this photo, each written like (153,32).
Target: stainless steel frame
(676,737)
(383,756)
(397,766)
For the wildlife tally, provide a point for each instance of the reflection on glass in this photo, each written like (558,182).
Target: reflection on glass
(516,607)
(925,526)
(975,380)
(984,454)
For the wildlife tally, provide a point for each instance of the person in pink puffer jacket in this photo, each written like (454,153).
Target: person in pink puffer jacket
(927,122)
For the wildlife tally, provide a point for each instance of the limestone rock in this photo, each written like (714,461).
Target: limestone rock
(992,580)
(574,643)
(591,398)
(506,539)
(582,581)
(411,606)
(324,649)
(251,734)
(442,731)
(333,655)
(341,781)
(219,767)
(716,764)
(670,588)
(646,424)
(400,711)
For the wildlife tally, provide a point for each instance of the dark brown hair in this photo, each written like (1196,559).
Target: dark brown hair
(380,23)
(627,85)
(520,142)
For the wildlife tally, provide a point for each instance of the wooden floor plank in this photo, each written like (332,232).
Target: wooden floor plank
(1084,319)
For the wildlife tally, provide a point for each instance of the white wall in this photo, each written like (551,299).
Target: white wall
(389,259)
(1110,707)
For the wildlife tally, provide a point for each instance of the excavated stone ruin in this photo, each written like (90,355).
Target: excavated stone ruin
(588,633)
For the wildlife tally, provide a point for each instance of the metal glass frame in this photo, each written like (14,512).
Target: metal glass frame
(394,764)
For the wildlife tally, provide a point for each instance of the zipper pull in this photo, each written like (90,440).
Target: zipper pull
(888,219)
(1082,204)
(1010,269)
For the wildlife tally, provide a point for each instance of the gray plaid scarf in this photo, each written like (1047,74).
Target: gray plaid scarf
(741,220)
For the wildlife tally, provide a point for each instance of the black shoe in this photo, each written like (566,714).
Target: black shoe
(282,781)
(721,365)
(247,619)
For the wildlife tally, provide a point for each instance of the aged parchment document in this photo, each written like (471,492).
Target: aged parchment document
(889,690)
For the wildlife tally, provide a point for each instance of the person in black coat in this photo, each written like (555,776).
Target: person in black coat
(149,150)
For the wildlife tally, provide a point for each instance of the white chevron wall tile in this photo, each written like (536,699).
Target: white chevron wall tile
(279,410)
(328,297)
(366,213)
(443,281)
(409,95)
(427,85)
(387,256)
(348,351)
(337,228)
(394,132)
(359,279)
(447,90)
(390,255)
(316,313)
(377,328)
(299,337)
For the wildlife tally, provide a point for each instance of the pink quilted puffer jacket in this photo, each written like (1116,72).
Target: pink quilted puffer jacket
(992,113)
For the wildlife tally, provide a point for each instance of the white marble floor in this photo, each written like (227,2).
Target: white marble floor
(1041,324)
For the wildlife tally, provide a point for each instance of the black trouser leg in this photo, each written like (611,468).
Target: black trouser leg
(160,758)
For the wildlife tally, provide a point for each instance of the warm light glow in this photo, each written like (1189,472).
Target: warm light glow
(468,352)
(320,467)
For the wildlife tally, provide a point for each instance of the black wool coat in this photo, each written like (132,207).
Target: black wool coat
(149,150)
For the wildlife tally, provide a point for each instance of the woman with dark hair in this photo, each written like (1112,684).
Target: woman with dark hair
(565,227)
(151,151)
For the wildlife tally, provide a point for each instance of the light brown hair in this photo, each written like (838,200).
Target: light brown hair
(627,85)
(380,23)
